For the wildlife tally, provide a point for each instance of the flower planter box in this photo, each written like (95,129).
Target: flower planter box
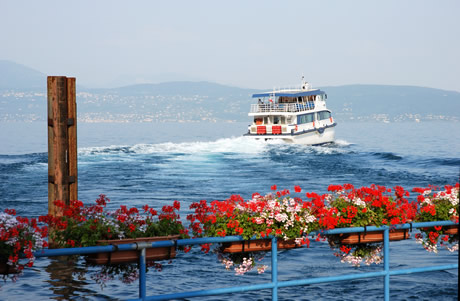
(369,237)
(257,245)
(451,230)
(133,255)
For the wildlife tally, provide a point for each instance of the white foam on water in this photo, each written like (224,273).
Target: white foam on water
(225,145)
(237,145)
(342,143)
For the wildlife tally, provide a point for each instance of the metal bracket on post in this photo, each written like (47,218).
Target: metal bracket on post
(143,245)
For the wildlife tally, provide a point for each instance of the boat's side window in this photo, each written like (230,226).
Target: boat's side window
(306,118)
(276,120)
(266,120)
(324,115)
(283,120)
(300,119)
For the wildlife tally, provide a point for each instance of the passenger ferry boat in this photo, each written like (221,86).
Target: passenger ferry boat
(294,115)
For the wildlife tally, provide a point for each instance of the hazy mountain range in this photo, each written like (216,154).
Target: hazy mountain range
(23,98)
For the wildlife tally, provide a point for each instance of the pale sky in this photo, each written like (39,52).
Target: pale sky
(251,44)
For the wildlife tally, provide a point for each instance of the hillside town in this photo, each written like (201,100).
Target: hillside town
(30,106)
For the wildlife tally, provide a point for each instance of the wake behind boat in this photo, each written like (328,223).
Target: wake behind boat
(294,115)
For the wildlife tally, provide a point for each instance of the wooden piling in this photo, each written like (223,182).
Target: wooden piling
(72,138)
(62,142)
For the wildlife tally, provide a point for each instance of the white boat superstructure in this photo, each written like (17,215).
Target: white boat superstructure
(294,115)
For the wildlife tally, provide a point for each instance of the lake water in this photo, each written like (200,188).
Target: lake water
(154,164)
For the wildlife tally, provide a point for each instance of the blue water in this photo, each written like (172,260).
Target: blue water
(154,164)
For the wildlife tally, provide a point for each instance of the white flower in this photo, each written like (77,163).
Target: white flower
(259,220)
(427,192)
(359,202)
(427,201)
(281,217)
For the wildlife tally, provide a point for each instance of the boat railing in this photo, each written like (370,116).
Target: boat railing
(281,107)
(290,88)
(275,283)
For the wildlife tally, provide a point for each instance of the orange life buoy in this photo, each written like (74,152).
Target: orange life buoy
(313,124)
(330,118)
(296,127)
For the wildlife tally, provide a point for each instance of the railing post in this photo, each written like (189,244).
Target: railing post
(275,268)
(386,263)
(142,275)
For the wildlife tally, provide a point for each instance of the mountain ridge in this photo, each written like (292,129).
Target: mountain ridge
(207,101)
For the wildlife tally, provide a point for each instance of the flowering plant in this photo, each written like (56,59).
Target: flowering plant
(355,255)
(274,214)
(19,236)
(435,205)
(83,226)
(366,206)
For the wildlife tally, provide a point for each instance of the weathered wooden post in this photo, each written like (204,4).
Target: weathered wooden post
(62,141)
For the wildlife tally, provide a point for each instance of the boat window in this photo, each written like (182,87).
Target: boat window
(283,120)
(276,120)
(324,115)
(266,120)
(306,118)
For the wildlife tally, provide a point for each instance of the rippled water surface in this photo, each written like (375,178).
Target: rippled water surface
(154,164)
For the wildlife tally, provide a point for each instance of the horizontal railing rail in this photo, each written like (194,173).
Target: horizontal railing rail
(274,284)
(281,107)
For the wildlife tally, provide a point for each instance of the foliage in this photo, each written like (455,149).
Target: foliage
(351,207)
(366,206)
(355,255)
(20,237)
(437,205)
(83,226)
(273,214)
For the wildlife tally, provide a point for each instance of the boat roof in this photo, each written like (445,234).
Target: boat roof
(296,93)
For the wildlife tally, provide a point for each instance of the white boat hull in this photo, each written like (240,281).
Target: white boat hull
(312,137)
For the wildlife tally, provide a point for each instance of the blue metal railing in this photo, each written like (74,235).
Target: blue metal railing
(274,284)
